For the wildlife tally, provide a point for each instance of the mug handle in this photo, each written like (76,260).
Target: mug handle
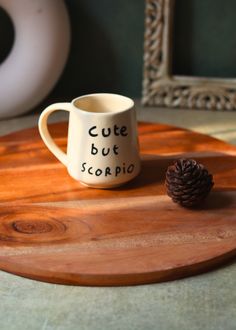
(46,136)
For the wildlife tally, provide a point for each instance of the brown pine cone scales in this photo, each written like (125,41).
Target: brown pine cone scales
(188,182)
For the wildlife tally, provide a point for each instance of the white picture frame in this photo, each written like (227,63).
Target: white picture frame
(162,88)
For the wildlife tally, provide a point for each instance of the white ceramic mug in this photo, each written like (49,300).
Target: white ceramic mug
(102,147)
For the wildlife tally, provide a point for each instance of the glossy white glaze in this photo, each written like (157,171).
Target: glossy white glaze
(102,149)
(38,55)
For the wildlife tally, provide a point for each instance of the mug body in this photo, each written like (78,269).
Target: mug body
(102,148)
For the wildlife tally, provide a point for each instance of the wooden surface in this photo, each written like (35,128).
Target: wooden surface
(56,230)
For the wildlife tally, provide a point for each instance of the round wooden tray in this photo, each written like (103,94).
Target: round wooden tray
(54,229)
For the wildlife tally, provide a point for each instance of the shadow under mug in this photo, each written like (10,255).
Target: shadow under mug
(102,147)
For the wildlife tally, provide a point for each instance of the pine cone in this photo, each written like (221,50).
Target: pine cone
(188,182)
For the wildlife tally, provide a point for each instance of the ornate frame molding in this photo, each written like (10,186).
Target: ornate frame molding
(160,87)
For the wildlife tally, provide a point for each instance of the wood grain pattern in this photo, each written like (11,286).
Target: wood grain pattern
(56,230)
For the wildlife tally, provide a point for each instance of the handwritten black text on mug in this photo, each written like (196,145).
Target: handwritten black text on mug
(105,133)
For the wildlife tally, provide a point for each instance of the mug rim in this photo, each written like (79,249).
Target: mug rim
(112,113)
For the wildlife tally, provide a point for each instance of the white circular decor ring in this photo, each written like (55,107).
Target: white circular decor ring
(38,55)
